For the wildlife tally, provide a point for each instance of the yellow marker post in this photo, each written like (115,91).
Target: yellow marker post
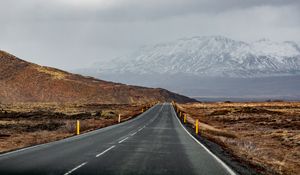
(197,126)
(142,109)
(184,119)
(78,127)
(119,119)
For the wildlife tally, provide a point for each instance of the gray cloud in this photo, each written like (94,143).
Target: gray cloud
(74,33)
(124,10)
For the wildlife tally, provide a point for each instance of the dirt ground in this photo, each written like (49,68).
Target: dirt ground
(27,124)
(264,134)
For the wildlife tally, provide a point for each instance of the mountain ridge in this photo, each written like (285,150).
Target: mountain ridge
(213,66)
(214,56)
(22,81)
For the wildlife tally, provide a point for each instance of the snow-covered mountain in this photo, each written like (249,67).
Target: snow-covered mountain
(210,56)
(211,66)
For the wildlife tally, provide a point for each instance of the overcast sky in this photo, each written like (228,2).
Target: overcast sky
(72,34)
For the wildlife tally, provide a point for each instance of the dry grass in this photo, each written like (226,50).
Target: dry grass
(54,74)
(27,124)
(265,134)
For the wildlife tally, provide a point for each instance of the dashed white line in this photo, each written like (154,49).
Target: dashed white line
(123,140)
(74,169)
(105,151)
(133,134)
(79,166)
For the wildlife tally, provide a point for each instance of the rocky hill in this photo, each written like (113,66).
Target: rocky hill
(21,81)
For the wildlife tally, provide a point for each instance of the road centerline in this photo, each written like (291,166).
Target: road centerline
(161,140)
(74,169)
(100,154)
(133,134)
(123,140)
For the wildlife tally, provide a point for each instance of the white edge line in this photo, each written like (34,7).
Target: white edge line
(22,149)
(206,149)
(123,140)
(74,169)
(105,151)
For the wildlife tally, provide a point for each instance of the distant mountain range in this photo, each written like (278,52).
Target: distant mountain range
(21,81)
(211,56)
(225,64)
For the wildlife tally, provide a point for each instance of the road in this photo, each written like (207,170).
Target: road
(153,143)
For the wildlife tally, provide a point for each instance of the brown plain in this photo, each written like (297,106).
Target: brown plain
(27,124)
(265,135)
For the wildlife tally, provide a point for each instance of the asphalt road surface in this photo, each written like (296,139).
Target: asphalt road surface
(153,143)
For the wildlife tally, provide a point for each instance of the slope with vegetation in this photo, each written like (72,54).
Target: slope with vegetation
(21,81)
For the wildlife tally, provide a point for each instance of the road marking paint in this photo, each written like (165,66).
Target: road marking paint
(105,151)
(153,119)
(76,137)
(140,129)
(229,170)
(23,149)
(74,169)
(123,140)
(133,134)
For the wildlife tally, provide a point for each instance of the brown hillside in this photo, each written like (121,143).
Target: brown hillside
(21,81)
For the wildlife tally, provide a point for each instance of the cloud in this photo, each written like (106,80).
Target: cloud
(74,33)
(125,10)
